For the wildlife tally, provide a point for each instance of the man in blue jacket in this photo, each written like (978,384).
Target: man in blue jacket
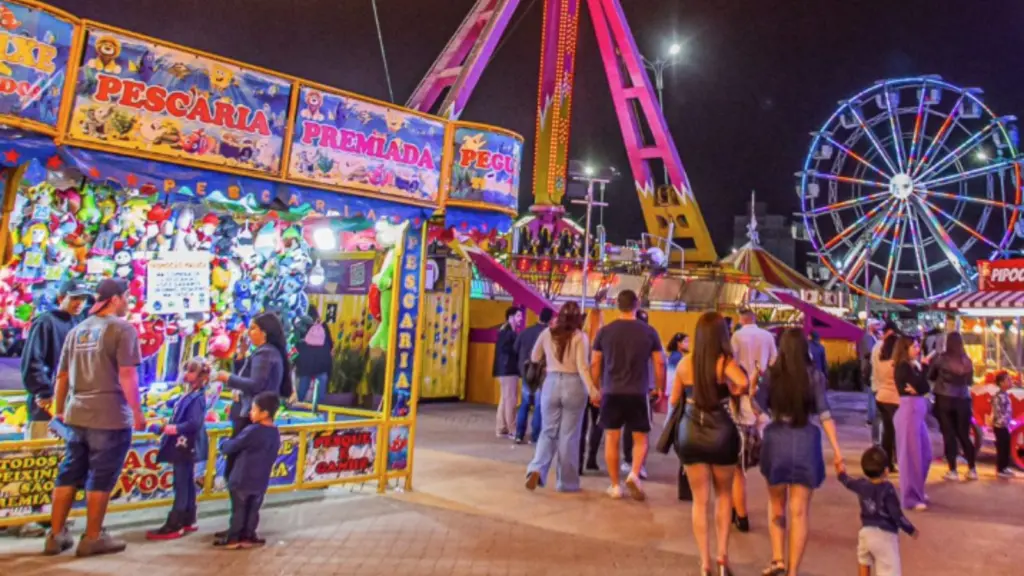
(39,360)
(531,398)
(506,371)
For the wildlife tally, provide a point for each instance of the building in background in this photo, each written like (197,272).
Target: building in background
(774,233)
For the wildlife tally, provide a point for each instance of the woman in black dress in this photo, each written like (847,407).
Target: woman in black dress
(791,457)
(709,441)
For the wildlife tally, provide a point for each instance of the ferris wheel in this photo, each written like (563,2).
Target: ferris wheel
(907,185)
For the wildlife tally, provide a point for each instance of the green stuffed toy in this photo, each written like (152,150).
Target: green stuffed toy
(384,281)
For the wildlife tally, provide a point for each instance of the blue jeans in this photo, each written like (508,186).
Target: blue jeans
(185,491)
(563,400)
(321,387)
(530,400)
(93,458)
(245,515)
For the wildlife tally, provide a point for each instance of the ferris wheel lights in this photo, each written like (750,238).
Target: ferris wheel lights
(981,156)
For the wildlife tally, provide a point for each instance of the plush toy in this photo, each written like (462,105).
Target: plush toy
(103,245)
(89,215)
(32,251)
(206,230)
(184,236)
(78,248)
(384,280)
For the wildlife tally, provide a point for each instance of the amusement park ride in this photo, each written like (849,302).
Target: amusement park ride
(670,210)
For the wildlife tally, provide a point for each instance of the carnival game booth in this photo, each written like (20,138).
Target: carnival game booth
(990,320)
(219,190)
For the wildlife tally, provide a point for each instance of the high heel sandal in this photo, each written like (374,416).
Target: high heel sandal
(776,568)
(723,568)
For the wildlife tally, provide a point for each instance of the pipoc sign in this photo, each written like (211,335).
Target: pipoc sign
(1001,275)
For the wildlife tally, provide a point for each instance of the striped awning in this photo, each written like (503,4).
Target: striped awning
(759,263)
(989,299)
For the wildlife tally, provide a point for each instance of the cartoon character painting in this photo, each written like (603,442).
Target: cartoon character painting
(108,49)
(314,101)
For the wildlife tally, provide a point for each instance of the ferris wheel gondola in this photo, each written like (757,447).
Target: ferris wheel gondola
(907,185)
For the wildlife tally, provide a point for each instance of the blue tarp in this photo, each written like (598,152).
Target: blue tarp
(466,220)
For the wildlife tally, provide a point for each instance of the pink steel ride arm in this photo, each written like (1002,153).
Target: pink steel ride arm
(459,66)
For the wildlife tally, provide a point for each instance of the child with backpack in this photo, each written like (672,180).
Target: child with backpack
(315,358)
(183,442)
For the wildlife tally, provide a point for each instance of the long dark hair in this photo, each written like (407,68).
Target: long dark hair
(676,341)
(956,357)
(271,325)
(888,347)
(902,352)
(791,394)
(710,343)
(569,322)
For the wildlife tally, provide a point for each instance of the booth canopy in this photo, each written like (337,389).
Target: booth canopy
(990,299)
(759,263)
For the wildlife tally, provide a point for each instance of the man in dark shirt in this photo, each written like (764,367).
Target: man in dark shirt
(817,350)
(506,371)
(624,353)
(531,398)
(39,360)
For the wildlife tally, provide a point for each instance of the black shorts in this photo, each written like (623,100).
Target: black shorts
(629,410)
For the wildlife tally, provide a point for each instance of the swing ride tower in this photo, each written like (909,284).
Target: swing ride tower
(669,207)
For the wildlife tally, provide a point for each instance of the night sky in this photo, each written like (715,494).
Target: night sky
(758,78)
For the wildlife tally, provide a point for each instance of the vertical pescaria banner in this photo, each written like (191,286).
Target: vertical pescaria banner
(409,298)
(348,142)
(145,98)
(36,46)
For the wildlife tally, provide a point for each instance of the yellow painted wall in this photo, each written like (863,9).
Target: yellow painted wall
(446,336)
(480,384)
(838,351)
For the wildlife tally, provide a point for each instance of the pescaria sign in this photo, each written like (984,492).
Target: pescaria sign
(34,49)
(347,142)
(138,95)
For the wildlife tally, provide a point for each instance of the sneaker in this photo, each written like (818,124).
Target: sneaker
(643,472)
(191,528)
(165,532)
(501,434)
(519,440)
(614,492)
(1008,474)
(532,480)
(626,467)
(57,543)
(951,476)
(920,507)
(636,488)
(232,544)
(220,535)
(972,474)
(255,541)
(30,530)
(105,544)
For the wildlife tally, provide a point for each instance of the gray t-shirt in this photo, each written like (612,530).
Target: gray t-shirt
(626,347)
(93,352)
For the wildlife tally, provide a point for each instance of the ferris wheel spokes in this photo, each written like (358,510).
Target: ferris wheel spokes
(974,173)
(923,96)
(871,136)
(961,225)
(940,137)
(868,241)
(855,156)
(958,152)
(949,248)
(877,196)
(861,222)
(917,242)
(895,250)
(850,180)
(973,199)
(894,125)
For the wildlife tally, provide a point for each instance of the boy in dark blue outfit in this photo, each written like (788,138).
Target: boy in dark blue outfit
(255,450)
(878,544)
(182,444)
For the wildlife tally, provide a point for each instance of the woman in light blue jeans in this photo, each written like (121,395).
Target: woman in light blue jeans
(565,351)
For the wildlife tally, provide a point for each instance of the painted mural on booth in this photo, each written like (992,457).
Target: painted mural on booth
(351,143)
(486,167)
(140,95)
(33,62)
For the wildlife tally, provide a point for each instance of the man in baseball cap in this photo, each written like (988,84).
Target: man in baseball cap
(111,292)
(40,356)
(97,397)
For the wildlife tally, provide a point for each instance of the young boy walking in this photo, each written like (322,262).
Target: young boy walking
(878,544)
(1002,413)
(182,444)
(255,450)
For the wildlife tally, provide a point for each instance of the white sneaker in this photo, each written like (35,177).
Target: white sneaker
(643,472)
(1009,474)
(972,474)
(626,467)
(921,507)
(636,488)
(951,476)
(614,492)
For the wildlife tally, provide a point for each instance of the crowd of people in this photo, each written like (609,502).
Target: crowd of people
(738,400)
(82,380)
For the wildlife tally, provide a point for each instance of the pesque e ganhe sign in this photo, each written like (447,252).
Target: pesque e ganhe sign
(1001,274)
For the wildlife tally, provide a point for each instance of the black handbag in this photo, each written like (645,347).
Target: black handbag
(534,374)
(670,432)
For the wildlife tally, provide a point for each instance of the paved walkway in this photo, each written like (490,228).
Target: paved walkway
(470,515)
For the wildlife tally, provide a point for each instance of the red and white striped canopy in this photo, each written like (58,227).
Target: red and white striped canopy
(988,299)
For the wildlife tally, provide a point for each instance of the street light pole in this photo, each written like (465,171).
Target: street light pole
(658,68)
(590,203)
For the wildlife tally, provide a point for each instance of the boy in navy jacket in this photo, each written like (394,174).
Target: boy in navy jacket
(255,450)
(182,444)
